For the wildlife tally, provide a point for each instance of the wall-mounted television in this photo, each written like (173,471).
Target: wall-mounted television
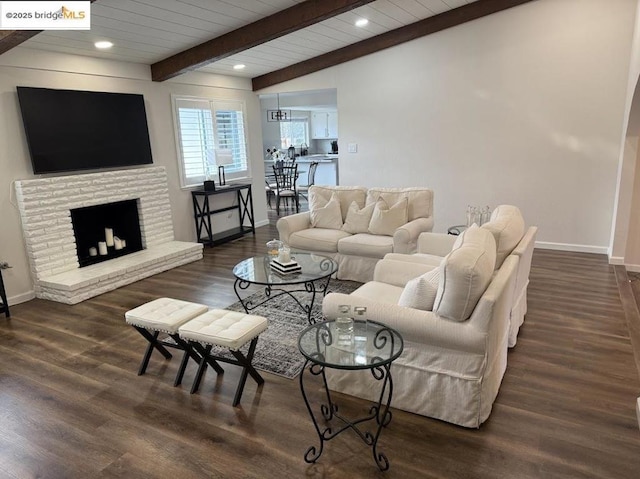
(71,130)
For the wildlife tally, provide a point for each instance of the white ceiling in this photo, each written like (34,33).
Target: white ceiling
(146,31)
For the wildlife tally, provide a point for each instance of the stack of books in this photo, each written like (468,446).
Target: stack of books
(285,268)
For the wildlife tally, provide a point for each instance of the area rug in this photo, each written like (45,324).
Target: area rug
(277,348)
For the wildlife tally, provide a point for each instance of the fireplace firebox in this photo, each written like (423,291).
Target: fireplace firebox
(106,231)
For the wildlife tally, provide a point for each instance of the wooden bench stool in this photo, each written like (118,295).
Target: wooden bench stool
(165,315)
(228,329)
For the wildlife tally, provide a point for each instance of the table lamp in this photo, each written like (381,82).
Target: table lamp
(223,157)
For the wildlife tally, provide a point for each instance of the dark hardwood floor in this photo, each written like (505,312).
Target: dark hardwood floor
(72,406)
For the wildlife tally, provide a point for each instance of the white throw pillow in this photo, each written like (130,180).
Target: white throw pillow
(358,219)
(385,220)
(420,293)
(465,274)
(507,227)
(320,195)
(329,216)
(472,235)
(460,239)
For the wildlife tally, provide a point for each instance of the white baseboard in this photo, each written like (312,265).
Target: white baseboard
(262,223)
(579,248)
(616,260)
(619,260)
(21,298)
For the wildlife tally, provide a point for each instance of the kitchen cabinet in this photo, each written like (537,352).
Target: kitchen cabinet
(324,124)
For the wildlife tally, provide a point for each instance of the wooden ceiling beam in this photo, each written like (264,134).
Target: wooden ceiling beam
(436,23)
(261,31)
(13,38)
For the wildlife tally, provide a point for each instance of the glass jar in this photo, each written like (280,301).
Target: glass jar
(344,326)
(273,248)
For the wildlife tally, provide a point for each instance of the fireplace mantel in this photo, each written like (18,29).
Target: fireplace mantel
(45,205)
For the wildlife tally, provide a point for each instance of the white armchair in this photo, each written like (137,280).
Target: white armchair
(455,356)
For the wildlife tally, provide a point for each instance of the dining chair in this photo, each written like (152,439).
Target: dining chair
(303,190)
(269,190)
(285,162)
(286,177)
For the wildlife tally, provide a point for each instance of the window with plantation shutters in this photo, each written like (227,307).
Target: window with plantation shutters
(210,133)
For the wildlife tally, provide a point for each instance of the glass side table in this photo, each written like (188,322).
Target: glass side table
(374,348)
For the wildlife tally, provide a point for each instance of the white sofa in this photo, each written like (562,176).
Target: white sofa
(358,226)
(454,356)
(508,228)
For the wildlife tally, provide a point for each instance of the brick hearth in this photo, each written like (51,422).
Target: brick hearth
(45,205)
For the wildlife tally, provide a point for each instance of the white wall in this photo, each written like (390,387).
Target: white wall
(27,67)
(525,107)
(622,232)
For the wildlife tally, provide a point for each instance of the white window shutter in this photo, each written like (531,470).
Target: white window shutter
(205,127)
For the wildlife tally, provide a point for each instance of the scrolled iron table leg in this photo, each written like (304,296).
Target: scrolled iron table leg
(313,453)
(382,413)
(241,285)
(310,287)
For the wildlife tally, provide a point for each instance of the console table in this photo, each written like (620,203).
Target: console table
(4,305)
(203,209)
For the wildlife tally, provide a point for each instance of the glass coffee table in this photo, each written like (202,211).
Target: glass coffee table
(374,347)
(312,279)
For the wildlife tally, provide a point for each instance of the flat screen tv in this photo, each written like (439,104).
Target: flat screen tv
(71,130)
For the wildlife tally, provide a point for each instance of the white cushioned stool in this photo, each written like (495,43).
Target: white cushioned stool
(230,329)
(165,315)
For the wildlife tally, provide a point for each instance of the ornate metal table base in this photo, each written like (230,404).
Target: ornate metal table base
(272,292)
(372,346)
(379,412)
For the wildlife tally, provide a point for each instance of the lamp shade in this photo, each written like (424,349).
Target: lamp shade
(224,157)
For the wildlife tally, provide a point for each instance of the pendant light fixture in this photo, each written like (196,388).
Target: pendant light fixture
(278,115)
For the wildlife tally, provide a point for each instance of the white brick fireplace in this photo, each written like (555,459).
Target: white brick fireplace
(45,208)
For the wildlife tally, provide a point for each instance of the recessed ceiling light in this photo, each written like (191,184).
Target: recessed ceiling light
(103,45)
(361,22)
(239,66)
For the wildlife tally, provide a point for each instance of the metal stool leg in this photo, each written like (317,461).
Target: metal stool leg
(153,343)
(189,352)
(247,368)
(206,360)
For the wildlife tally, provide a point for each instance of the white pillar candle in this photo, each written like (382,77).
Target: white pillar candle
(124,243)
(93,251)
(108,233)
(102,248)
(117,243)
